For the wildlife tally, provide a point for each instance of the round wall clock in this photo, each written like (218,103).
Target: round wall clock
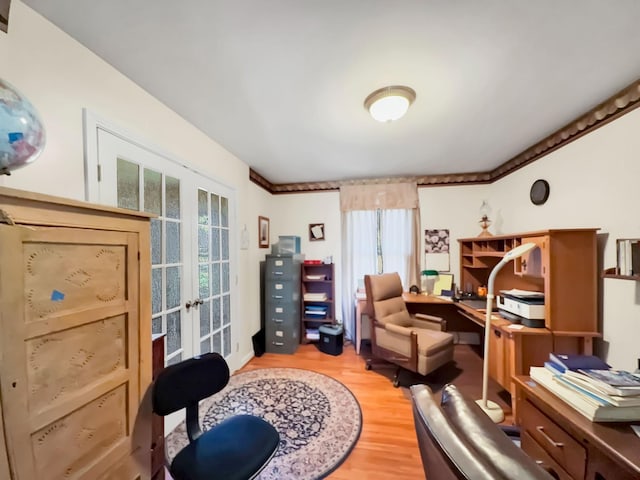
(539,192)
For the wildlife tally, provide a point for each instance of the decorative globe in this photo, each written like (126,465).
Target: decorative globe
(22,135)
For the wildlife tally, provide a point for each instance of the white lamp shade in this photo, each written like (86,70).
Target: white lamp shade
(389,103)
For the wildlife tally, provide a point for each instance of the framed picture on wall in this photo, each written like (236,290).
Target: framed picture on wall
(316,232)
(263,232)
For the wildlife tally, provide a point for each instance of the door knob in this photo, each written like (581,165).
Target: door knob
(193,303)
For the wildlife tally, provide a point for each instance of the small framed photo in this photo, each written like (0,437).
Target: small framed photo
(263,232)
(316,232)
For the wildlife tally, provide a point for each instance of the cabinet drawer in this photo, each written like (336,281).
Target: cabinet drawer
(538,453)
(275,323)
(563,448)
(282,333)
(284,291)
(282,341)
(281,268)
(283,310)
(157,454)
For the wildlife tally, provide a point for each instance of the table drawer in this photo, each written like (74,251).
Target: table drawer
(535,451)
(563,448)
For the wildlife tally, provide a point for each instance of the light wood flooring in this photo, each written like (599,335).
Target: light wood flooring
(387,448)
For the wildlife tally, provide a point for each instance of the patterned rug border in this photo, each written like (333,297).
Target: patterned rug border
(292,374)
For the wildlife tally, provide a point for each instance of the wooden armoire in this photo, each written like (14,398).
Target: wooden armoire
(75,340)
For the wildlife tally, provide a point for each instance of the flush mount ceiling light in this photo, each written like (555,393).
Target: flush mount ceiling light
(389,103)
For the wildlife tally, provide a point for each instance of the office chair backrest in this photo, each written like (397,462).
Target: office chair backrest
(384,294)
(186,383)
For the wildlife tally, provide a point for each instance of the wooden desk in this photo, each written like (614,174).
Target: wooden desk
(573,446)
(512,351)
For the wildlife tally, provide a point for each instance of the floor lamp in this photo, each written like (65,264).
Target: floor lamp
(491,408)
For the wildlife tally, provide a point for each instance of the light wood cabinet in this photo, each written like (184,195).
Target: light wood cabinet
(75,340)
(564,267)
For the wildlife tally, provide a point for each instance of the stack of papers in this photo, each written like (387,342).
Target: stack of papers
(315,297)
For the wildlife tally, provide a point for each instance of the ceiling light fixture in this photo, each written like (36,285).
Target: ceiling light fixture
(389,103)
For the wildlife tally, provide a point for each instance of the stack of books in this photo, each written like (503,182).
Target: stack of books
(591,387)
(315,311)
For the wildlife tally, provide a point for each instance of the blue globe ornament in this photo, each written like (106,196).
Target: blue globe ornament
(22,136)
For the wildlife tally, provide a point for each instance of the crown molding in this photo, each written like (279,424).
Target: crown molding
(614,107)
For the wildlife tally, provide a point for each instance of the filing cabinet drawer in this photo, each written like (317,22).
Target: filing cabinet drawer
(282,340)
(538,453)
(284,310)
(284,291)
(563,448)
(282,322)
(281,268)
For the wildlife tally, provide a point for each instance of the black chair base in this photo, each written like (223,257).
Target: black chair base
(236,449)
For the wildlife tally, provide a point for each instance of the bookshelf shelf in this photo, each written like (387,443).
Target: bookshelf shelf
(613,273)
(317,299)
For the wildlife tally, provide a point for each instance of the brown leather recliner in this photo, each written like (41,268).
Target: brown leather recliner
(457,440)
(416,343)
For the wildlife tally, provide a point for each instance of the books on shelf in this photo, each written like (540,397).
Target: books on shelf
(574,361)
(315,297)
(312,334)
(591,406)
(629,257)
(316,277)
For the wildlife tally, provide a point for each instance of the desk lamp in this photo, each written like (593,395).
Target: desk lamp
(491,408)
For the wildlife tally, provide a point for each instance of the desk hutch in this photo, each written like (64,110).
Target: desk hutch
(564,267)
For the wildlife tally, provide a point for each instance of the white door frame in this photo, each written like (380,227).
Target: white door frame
(93,123)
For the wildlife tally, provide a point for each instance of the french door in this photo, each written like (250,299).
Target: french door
(191,251)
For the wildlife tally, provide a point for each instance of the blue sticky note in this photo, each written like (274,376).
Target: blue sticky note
(15,136)
(57,296)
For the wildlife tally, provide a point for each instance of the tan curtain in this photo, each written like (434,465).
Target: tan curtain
(379,197)
(388,197)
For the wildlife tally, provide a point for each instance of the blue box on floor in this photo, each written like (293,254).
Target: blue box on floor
(331,339)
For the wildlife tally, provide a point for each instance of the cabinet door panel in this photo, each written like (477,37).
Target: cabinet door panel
(70,370)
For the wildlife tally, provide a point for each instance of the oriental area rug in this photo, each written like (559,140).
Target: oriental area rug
(318,419)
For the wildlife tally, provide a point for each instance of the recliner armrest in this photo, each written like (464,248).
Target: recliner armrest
(392,327)
(430,322)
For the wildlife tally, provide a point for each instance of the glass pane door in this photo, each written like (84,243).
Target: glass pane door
(147,182)
(214,273)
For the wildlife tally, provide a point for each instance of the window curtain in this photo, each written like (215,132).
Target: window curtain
(399,209)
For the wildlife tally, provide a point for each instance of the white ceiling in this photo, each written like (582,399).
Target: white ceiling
(281,83)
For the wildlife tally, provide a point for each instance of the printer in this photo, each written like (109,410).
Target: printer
(522,306)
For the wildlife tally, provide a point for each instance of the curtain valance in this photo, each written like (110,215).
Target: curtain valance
(388,196)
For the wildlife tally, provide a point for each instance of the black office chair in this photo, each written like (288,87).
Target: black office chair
(237,448)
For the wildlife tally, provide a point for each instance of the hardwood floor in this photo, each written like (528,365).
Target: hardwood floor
(387,448)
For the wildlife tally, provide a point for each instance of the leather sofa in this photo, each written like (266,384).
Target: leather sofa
(457,440)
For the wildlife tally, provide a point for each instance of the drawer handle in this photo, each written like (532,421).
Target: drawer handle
(279,344)
(278,273)
(277,296)
(277,320)
(548,438)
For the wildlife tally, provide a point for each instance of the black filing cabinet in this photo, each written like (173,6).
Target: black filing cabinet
(282,303)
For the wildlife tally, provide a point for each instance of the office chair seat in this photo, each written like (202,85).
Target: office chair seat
(236,448)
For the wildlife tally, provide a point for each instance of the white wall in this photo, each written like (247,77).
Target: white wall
(61,77)
(294,214)
(594,183)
